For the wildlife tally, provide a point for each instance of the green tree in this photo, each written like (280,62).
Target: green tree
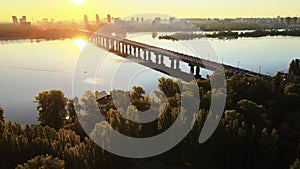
(1,114)
(43,162)
(52,108)
(296,164)
(71,110)
(255,114)
(168,86)
(138,99)
(295,67)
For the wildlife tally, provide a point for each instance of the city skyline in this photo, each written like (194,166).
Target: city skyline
(68,10)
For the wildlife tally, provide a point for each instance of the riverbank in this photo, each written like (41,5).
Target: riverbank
(230,34)
(46,34)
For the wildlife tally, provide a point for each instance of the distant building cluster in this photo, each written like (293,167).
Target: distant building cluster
(98,21)
(155,23)
(22,21)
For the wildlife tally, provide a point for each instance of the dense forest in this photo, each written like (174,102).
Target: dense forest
(260,127)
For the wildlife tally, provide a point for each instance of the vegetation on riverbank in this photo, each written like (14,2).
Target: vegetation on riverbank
(45,34)
(229,34)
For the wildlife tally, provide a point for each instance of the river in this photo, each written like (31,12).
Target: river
(29,67)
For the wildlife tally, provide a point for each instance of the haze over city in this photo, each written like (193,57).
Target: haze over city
(74,9)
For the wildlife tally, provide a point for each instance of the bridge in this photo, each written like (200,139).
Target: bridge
(143,54)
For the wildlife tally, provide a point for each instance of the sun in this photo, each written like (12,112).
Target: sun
(78,2)
(80,43)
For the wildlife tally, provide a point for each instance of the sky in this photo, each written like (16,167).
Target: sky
(67,10)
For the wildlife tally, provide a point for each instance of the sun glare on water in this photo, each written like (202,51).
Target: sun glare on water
(80,43)
(78,2)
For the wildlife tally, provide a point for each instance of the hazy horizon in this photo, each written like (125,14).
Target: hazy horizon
(75,9)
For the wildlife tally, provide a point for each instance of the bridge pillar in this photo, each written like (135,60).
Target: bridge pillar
(111,45)
(130,49)
(149,55)
(156,58)
(133,51)
(198,72)
(177,64)
(145,54)
(192,70)
(138,52)
(118,47)
(172,63)
(107,43)
(115,46)
(162,59)
(127,49)
(121,48)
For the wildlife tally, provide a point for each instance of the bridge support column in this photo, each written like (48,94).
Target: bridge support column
(111,45)
(197,72)
(149,55)
(162,59)
(121,48)
(125,49)
(177,64)
(133,51)
(138,52)
(107,43)
(172,63)
(129,49)
(118,47)
(145,54)
(192,70)
(156,58)
(115,46)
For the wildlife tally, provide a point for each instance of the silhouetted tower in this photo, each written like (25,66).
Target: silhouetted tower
(108,18)
(171,20)
(142,20)
(86,20)
(137,20)
(288,20)
(15,20)
(97,19)
(23,20)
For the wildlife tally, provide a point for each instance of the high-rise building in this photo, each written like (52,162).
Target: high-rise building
(156,21)
(171,20)
(97,19)
(142,20)
(23,20)
(15,20)
(86,20)
(108,18)
(137,19)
